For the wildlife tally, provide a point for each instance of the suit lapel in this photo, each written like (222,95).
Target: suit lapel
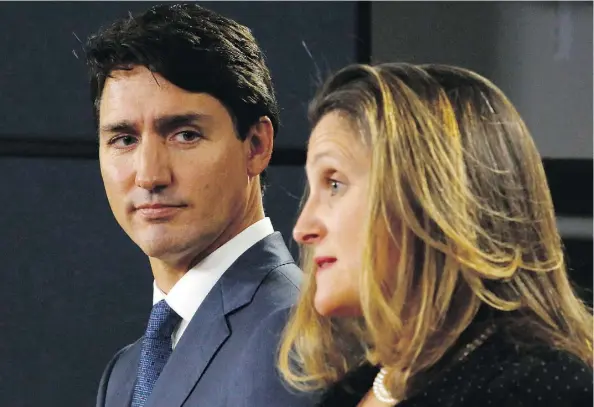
(208,330)
(123,377)
(204,335)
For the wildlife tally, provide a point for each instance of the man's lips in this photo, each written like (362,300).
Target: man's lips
(157,211)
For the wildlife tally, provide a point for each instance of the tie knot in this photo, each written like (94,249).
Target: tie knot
(162,321)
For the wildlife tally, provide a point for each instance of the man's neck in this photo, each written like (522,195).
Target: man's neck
(165,277)
(168,272)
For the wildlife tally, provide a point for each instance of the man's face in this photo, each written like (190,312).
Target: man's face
(175,173)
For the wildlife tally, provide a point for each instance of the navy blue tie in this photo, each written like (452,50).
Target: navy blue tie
(156,349)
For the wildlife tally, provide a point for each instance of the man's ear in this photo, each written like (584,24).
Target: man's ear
(258,146)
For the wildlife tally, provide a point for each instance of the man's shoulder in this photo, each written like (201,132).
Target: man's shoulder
(285,274)
(278,276)
(268,253)
(280,288)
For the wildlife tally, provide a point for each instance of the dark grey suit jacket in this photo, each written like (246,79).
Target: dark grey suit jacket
(227,355)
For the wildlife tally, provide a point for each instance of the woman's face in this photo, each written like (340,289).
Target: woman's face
(332,222)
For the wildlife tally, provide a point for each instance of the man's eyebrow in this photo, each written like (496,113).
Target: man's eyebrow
(168,123)
(163,124)
(123,126)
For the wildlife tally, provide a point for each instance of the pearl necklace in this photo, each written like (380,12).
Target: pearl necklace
(383,395)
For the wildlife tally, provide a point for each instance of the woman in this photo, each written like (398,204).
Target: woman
(435,269)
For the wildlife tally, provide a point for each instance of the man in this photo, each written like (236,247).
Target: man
(187,115)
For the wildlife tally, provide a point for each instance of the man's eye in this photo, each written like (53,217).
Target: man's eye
(187,136)
(122,141)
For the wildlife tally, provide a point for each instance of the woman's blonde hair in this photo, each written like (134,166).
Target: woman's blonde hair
(460,218)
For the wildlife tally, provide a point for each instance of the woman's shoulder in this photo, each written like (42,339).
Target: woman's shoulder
(542,374)
(498,373)
(503,373)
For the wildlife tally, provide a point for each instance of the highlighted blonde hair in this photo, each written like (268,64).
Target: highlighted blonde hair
(459,193)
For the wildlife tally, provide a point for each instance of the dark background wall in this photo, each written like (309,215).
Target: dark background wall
(75,288)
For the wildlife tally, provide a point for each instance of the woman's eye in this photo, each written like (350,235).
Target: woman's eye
(335,186)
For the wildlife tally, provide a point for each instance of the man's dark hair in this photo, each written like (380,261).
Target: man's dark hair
(194,48)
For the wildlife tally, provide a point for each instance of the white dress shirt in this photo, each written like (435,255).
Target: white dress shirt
(188,293)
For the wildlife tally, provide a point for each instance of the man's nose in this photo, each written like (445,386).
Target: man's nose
(153,170)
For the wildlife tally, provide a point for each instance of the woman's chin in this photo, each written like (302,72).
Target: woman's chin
(330,306)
